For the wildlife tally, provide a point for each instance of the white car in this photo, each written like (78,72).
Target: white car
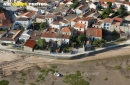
(57,74)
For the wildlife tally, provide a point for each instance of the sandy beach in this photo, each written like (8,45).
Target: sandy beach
(102,65)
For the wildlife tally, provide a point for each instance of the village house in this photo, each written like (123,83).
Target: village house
(94,5)
(104,3)
(5,22)
(35,35)
(29,45)
(116,24)
(98,24)
(64,22)
(62,8)
(25,35)
(81,9)
(40,18)
(88,21)
(79,27)
(94,33)
(50,34)
(68,31)
(127,5)
(107,22)
(55,24)
(50,18)
(25,19)
(11,37)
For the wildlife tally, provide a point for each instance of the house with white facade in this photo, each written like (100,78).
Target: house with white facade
(55,24)
(81,9)
(22,21)
(79,27)
(25,35)
(107,22)
(25,19)
(64,22)
(50,18)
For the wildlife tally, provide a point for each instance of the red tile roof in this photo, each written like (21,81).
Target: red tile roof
(107,1)
(96,32)
(118,19)
(65,29)
(30,43)
(29,14)
(5,20)
(79,25)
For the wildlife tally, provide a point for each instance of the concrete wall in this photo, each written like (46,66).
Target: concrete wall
(28,49)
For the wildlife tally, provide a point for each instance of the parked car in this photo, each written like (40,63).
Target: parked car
(4,44)
(57,74)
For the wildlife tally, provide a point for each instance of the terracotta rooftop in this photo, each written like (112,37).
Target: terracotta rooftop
(107,1)
(79,25)
(29,14)
(126,2)
(116,19)
(49,35)
(63,36)
(108,20)
(66,29)
(96,32)
(56,23)
(41,16)
(4,19)
(50,15)
(30,43)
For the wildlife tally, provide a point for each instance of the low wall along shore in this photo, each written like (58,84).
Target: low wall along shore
(65,56)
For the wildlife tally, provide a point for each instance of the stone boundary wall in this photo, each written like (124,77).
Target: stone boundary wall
(66,56)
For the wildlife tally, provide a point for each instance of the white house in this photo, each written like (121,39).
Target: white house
(81,9)
(23,22)
(50,18)
(25,35)
(55,24)
(64,22)
(79,27)
(107,23)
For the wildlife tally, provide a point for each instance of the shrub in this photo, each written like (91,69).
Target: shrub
(106,79)
(118,67)
(127,76)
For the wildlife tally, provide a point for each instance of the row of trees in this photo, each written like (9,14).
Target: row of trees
(121,12)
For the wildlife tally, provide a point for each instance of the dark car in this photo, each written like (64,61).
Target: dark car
(4,44)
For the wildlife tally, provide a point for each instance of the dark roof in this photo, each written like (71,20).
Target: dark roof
(83,7)
(22,19)
(30,43)
(35,35)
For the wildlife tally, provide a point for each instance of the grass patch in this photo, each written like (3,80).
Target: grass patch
(88,78)
(127,76)
(23,74)
(32,84)
(106,79)
(128,67)
(54,66)
(117,67)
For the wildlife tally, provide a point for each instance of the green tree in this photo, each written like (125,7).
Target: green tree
(42,26)
(41,42)
(75,4)
(75,79)
(81,38)
(96,43)
(116,34)
(122,11)
(109,4)
(4,82)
